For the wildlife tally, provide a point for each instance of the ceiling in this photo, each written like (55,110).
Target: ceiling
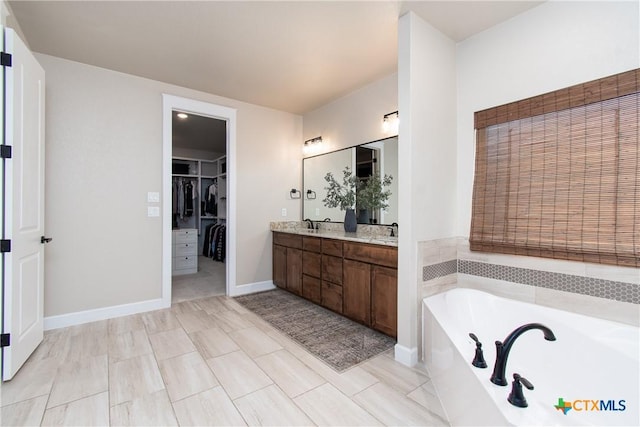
(199,133)
(292,56)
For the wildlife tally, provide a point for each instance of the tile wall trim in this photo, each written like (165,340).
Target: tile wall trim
(601,288)
(441,269)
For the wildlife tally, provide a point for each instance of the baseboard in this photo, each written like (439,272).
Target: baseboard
(80,317)
(406,356)
(251,288)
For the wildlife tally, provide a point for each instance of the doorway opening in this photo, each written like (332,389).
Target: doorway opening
(199,206)
(199,202)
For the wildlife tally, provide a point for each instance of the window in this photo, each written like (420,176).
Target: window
(558,176)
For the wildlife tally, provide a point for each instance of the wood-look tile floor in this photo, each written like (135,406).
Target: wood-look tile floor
(205,362)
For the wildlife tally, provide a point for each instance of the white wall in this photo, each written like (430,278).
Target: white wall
(426,159)
(355,118)
(552,46)
(104,152)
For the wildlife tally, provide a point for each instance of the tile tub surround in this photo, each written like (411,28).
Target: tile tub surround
(602,291)
(232,369)
(375,234)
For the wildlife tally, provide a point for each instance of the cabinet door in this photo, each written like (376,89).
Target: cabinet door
(311,288)
(384,300)
(356,291)
(311,264)
(280,266)
(294,271)
(331,296)
(332,269)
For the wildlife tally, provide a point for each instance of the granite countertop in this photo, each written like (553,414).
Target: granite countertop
(369,234)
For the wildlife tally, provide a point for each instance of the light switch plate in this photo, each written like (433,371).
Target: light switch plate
(284,211)
(153,211)
(153,197)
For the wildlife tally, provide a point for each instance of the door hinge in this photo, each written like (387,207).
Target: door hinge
(5,340)
(5,59)
(5,245)
(5,151)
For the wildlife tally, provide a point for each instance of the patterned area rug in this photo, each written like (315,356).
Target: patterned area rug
(338,341)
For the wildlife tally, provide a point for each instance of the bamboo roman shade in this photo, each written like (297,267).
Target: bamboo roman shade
(557,175)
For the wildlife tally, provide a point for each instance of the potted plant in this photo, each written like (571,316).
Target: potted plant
(343,196)
(366,194)
(371,195)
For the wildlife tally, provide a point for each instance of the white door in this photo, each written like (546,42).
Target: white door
(23,278)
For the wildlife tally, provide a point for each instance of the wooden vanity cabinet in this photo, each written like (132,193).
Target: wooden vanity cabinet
(384,300)
(287,262)
(356,291)
(370,288)
(332,292)
(311,262)
(358,280)
(280,266)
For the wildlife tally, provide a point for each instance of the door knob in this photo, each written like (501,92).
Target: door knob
(45,239)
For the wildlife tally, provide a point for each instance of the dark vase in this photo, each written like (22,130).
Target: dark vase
(350,224)
(363,216)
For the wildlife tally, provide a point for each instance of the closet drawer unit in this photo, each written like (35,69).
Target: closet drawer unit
(184,249)
(189,235)
(185,262)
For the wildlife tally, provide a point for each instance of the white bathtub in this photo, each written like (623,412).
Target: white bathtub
(591,359)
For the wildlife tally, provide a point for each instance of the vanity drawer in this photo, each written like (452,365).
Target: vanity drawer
(332,269)
(288,240)
(372,254)
(311,288)
(311,244)
(332,247)
(311,264)
(332,296)
(182,249)
(185,236)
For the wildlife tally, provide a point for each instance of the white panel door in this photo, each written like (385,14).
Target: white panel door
(23,281)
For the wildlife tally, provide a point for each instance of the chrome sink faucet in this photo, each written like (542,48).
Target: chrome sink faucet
(503,349)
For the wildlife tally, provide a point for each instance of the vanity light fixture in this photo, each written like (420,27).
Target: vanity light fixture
(390,122)
(313,144)
(182,115)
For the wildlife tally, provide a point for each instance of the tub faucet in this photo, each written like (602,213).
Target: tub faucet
(503,349)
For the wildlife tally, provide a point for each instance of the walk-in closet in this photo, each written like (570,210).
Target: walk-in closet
(199,206)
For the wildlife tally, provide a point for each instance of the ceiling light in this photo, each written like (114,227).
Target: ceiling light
(182,115)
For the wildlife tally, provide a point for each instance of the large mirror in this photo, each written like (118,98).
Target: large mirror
(378,156)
